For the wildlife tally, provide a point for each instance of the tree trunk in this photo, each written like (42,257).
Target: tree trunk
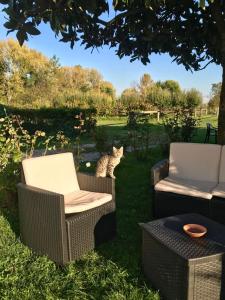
(221,119)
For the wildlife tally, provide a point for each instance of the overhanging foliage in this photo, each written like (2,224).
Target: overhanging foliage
(189,30)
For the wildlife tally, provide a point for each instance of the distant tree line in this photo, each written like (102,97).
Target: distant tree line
(29,79)
(159,95)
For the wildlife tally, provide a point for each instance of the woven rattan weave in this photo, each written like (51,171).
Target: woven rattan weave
(46,229)
(167,204)
(182,267)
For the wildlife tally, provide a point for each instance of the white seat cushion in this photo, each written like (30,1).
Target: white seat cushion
(194,188)
(55,173)
(219,190)
(84,200)
(195,161)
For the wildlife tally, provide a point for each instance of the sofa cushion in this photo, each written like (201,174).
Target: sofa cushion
(84,200)
(194,161)
(219,190)
(55,173)
(194,188)
(222,165)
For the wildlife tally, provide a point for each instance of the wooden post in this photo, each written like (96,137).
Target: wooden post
(158,115)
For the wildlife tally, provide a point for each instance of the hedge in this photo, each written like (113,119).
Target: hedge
(51,120)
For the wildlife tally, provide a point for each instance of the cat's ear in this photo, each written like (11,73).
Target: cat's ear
(121,148)
(114,149)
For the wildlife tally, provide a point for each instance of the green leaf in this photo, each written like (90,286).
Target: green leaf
(21,36)
(17,157)
(10,25)
(2,139)
(31,29)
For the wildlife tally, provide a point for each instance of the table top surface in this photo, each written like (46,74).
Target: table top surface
(169,232)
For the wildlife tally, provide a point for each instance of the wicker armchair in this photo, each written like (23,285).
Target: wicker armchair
(47,227)
(186,182)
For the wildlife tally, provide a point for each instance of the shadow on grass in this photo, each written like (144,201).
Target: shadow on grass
(116,132)
(134,205)
(134,198)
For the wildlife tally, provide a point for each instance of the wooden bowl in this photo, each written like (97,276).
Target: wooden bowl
(195,230)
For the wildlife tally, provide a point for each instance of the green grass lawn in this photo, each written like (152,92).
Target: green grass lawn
(201,130)
(116,128)
(112,271)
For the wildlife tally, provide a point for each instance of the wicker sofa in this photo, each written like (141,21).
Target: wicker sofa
(63,213)
(191,181)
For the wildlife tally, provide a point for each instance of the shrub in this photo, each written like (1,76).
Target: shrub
(90,123)
(132,120)
(141,137)
(16,143)
(101,139)
(172,127)
(188,126)
(52,120)
(136,118)
(180,127)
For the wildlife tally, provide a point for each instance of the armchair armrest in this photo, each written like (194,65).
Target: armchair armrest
(42,222)
(92,183)
(159,171)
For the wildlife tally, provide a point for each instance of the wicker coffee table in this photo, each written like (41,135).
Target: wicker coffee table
(182,267)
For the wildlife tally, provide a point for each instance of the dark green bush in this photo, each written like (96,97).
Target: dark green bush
(132,120)
(172,127)
(52,120)
(101,139)
(180,126)
(188,126)
(136,118)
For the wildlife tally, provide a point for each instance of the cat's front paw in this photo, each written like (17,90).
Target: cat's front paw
(113,177)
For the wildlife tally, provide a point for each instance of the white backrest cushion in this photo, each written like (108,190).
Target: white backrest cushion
(222,165)
(195,161)
(55,173)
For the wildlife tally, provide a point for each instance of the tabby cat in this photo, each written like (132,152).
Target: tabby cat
(107,163)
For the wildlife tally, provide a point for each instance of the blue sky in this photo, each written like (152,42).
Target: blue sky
(120,72)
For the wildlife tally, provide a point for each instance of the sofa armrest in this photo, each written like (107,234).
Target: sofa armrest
(42,222)
(92,183)
(159,171)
